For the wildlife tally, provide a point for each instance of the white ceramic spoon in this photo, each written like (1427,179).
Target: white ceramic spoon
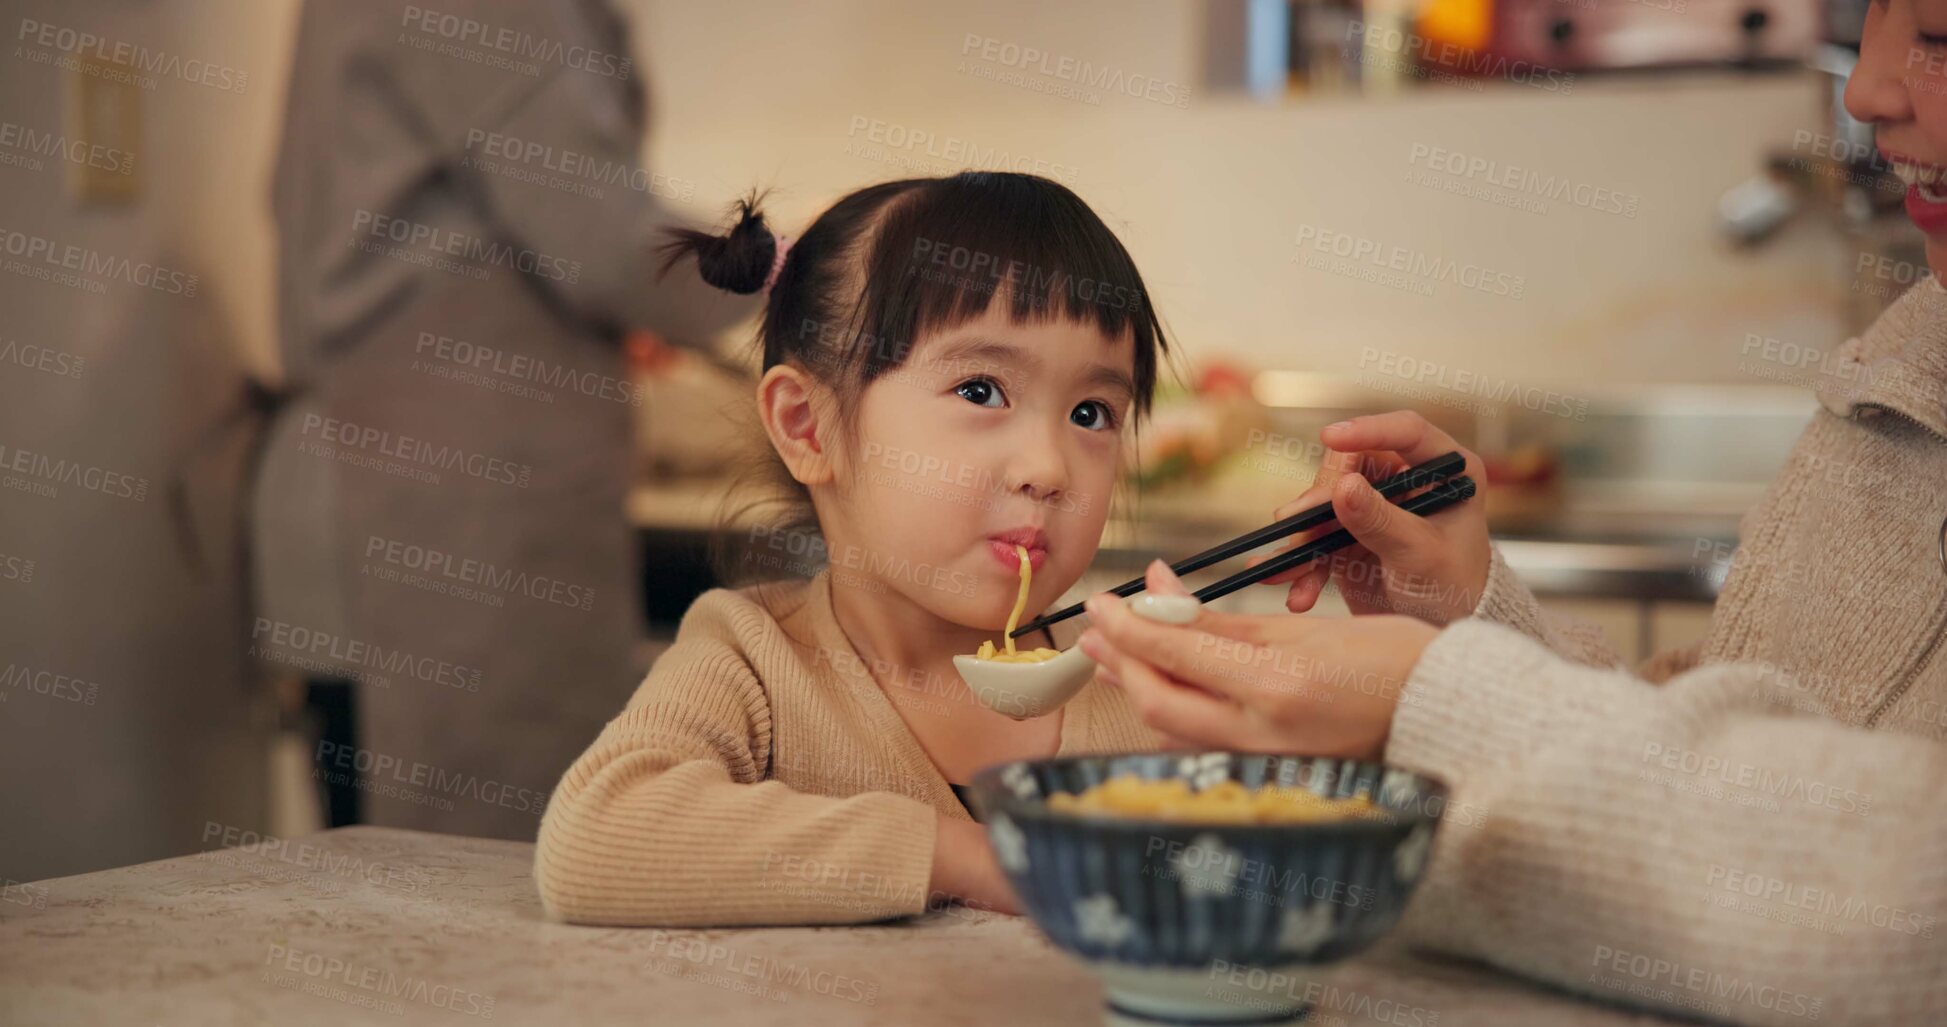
(1027,690)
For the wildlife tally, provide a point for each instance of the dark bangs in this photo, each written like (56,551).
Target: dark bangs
(941,250)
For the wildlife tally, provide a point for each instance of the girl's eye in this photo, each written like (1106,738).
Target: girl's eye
(1932,39)
(1094,415)
(980,392)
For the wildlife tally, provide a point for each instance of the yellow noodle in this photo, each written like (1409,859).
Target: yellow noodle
(987,650)
(1226,802)
(1020,598)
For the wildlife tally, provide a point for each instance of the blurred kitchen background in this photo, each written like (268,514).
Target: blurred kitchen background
(1659,226)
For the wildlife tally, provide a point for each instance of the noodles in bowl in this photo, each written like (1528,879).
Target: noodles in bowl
(1151,868)
(1226,802)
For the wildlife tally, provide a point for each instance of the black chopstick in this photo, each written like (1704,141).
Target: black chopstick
(1439,497)
(1444,466)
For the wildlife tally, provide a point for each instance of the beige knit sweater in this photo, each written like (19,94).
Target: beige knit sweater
(1763,838)
(759,775)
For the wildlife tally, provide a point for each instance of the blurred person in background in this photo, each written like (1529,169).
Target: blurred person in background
(465,235)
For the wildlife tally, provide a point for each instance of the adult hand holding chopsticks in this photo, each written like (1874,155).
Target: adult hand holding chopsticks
(1260,682)
(1433,568)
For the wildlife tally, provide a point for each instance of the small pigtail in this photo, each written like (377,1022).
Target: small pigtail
(738,261)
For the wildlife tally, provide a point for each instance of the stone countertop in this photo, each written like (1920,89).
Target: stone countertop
(373,925)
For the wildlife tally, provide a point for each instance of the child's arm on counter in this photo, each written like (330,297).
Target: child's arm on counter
(668,820)
(965,867)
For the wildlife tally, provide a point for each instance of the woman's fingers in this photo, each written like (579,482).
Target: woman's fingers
(1311,497)
(1204,654)
(1290,577)
(1400,539)
(1183,715)
(1320,491)
(1159,580)
(1308,587)
(1403,432)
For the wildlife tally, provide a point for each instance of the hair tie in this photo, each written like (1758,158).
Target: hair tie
(782,244)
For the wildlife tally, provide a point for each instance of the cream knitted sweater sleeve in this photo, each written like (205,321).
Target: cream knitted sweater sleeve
(1505,600)
(1700,845)
(668,820)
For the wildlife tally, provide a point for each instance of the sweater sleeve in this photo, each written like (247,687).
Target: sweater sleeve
(668,819)
(1712,845)
(1505,600)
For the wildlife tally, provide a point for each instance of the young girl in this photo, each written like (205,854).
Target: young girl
(950,365)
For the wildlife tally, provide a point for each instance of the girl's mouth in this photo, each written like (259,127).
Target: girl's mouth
(1004,552)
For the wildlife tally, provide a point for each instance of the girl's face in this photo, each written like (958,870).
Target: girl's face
(1900,87)
(990,434)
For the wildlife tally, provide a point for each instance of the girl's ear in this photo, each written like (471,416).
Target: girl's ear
(797,419)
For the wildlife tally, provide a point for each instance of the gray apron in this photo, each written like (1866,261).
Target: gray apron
(441,506)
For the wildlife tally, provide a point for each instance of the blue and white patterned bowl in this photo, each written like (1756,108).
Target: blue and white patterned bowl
(1192,923)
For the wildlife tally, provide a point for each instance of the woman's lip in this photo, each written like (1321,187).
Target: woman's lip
(1928,216)
(1901,157)
(1004,552)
